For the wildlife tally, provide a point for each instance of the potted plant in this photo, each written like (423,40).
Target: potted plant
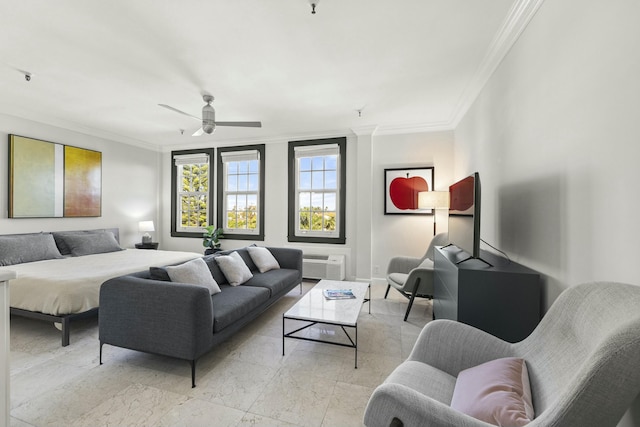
(210,239)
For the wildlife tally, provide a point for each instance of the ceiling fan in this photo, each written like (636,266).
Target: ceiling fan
(209,122)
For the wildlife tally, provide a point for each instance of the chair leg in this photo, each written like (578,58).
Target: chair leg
(387,293)
(413,296)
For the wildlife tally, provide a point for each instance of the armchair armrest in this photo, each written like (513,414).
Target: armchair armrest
(172,319)
(423,273)
(414,409)
(454,346)
(402,264)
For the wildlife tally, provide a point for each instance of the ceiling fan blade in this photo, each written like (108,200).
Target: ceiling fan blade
(241,124)
(198,132)
(178,111)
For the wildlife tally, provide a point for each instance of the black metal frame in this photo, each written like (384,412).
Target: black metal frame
(411,297)
(64,320)
(354,344)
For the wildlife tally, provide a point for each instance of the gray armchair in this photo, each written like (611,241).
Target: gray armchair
(413,277)
(582,360)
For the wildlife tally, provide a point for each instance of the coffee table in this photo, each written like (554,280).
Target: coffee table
(315,308)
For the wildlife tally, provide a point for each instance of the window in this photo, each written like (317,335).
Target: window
(317,190)
(241,192)
(191,201)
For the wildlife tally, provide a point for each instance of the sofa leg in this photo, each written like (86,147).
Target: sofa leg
(387,293)
(101,343)
(193,373)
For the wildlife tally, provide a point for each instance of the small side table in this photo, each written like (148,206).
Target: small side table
(152,245)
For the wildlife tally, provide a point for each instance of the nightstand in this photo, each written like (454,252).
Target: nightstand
(152,245)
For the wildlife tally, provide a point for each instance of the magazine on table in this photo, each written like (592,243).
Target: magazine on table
(338,294)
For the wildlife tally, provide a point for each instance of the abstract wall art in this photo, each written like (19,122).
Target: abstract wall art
(401,188)
(50,180)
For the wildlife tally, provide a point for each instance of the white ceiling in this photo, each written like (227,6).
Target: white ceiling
(101,67)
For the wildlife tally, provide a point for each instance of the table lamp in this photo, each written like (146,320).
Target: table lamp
(146,227)
(433,200)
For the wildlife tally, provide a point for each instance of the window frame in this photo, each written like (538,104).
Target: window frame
(221,211)
(175,232)
(293,175)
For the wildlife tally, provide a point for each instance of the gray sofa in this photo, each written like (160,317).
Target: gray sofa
(147,312)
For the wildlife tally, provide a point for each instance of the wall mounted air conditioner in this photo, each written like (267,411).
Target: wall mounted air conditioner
(323,267)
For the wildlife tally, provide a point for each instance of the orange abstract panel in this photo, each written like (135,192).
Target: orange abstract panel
(82,182)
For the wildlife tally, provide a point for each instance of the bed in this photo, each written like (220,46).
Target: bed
(63,282)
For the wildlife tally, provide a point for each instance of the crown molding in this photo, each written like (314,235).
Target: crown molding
(517,20)
(413,128)
(364,130)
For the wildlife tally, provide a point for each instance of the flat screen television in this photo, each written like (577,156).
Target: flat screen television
(464,215)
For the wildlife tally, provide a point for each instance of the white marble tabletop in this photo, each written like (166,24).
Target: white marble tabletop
(315,307)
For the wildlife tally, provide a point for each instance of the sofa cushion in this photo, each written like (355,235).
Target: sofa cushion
(234,302)
(496,392)
(91,243)
(194,272)
(263,258)
(217,274)
(159,273)
(274,280)
(234,268)
(19,248)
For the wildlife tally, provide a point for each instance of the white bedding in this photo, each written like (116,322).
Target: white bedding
(72,285)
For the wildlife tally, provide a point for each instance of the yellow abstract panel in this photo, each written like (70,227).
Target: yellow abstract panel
(35,178)
(82,182)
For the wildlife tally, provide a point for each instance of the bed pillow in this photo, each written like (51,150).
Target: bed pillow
(91,243)
(19,248)
(263,258)
(62,245)
(496,392)
(234,268)
(194,272)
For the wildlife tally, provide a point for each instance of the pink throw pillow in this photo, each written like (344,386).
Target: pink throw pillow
(496,392)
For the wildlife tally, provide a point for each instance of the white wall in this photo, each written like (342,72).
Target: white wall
(408,235)
(129,182)
(276,185)
(372,238)
(555,137)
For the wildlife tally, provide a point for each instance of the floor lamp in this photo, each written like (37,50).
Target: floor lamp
(433,200)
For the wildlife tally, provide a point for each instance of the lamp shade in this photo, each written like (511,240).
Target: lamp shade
(146,226)
(433,200)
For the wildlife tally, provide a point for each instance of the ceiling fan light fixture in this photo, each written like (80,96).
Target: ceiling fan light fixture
(208,129)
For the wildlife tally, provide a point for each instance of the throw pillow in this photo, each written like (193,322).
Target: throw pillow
(496,392)
(19,248)
(263,258)
(194,272)
(234,268)
(92,243)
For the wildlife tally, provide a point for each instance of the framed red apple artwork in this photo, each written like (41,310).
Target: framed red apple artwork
(401,188)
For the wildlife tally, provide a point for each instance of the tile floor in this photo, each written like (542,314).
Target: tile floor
(244,382)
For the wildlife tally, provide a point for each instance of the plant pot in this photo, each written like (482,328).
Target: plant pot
(211,251)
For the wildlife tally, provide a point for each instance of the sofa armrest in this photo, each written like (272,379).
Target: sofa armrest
(172,319)
(453,346)
(402,264)
(391,400)
(288,258)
